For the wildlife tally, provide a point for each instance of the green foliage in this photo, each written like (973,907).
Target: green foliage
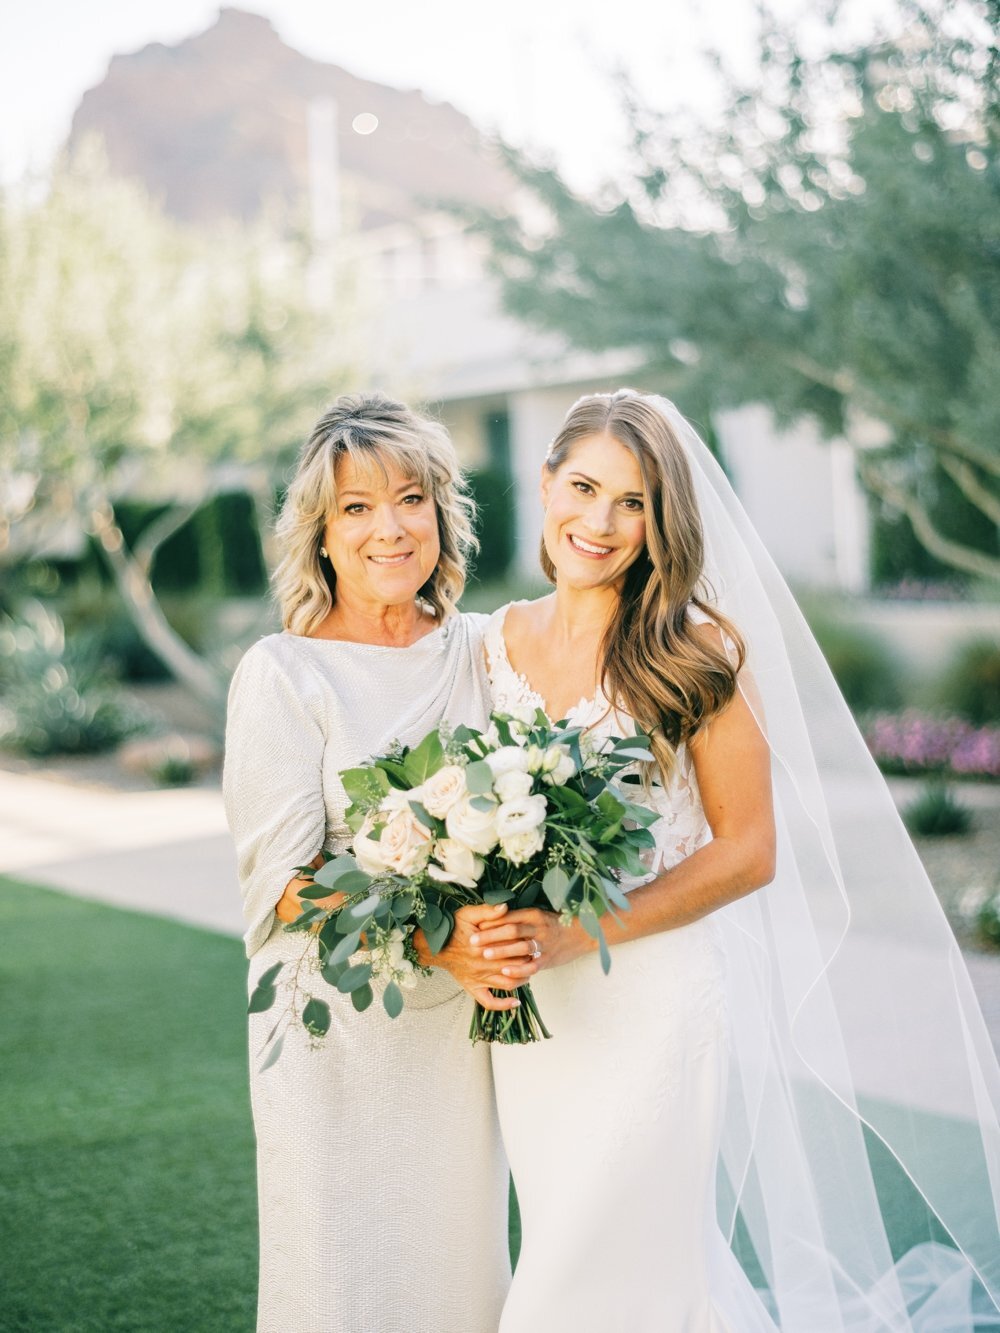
(493,490)
(57,695)
(862,665)
(936,814)
(971,686)
(829,247)
(987,920)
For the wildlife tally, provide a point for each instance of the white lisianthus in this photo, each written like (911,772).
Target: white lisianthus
(519,816)
(368,850)
(400,966)
(508,759)
(441,791)
(524,714)
(512,784)
(404,846)
(558,767)
(521,847)
(457,864)
(475,829)
(535,756)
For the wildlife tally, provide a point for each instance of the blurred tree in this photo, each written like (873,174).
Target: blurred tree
(830,244)
(141,361)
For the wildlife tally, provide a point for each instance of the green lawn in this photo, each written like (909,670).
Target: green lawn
(127,1188)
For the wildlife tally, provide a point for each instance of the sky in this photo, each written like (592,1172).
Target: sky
(539,71)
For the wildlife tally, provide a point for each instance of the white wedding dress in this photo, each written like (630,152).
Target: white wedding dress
(612,1127)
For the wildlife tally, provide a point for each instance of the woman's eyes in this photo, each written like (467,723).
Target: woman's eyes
(411,501)
(415,498)
(630,503)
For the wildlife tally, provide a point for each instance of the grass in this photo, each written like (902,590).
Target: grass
(127,1189)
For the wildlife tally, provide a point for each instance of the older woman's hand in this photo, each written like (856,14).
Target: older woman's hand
(466,963)
(530,934)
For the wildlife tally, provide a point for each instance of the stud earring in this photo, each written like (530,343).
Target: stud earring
(324,553)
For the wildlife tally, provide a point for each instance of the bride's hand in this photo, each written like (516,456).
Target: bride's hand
(465,962)
(507,944)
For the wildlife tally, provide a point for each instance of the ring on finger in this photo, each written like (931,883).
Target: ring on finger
(535,950)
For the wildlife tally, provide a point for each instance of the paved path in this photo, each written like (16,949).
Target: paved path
(169,853)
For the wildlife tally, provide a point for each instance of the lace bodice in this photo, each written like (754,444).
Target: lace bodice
(682,827)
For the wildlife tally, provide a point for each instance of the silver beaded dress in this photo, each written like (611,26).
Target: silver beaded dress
(382,1184)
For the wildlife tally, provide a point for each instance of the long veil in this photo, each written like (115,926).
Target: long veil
(860,1168)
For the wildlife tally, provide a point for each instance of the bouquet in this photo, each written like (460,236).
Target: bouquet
(527,812)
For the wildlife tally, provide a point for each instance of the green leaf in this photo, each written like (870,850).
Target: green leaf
(305,919)
(589,921)
(425,760)
(261,999)
(432,916)
(494,896)
(359,911)
(483,803)
(392,999)
(605,952)
(331,971)
(610,807)
(463,734)
(358,975)
(355,881)
(439,935)
(425,817)
(611,832)
(362,998)
(348,945)
(555,883)
(313,891)
(316,1017)
(340,865)
(273,1053)
(365,786)
(402,907)
(479,777)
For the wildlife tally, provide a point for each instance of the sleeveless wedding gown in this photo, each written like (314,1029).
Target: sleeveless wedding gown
(612,1128)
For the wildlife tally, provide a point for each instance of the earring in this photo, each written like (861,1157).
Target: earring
(324,553)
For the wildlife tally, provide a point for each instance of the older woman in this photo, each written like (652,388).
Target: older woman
(381,1181)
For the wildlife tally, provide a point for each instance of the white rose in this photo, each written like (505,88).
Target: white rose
(508,759)
(398,801)
(475,829)
(521,847)
(558,767)
(405,844)
(457,864)
(513,817)
(441,791)
(367,850)
(509,786)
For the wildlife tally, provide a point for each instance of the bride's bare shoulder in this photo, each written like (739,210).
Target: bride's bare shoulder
(524,620)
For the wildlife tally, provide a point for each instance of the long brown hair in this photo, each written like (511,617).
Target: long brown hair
(377,430)
(669,678)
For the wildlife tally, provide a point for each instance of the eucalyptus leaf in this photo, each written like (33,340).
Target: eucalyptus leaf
(269,977)
(438,937)
(392,999)
(555,883)
(316,1017)
(273,1053)
(424,816)
(589,921)
(362,998)
(479,778)
(313,891)
(332,871)
(348,945)
(483,803)
(360,911)
(462,734)
(355,881)
(354,977)
(605,952)
(331,971)
(432,916)
(494,896)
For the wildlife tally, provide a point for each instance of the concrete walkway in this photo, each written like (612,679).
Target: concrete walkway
(169,853)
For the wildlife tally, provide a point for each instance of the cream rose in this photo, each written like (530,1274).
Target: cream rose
(475,829)
(509,786)
(405,844)
(513,817)
(521,847)
(456,864)
(368,851)
(441,791)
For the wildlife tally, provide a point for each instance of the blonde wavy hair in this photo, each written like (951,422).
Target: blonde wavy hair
(375,429)
(668,677)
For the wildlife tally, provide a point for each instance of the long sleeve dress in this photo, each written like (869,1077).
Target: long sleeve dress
(381,1179)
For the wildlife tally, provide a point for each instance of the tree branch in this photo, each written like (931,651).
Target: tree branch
(156,533)
(972,488)
(951,552)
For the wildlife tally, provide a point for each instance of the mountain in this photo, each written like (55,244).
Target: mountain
(217,126)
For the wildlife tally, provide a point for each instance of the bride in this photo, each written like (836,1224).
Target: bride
(767,1072)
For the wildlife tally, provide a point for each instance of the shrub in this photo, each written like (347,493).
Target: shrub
(971,686)
(57,694)
(862,666)
(985,916)
(493,492)
(914,742)
(936,814)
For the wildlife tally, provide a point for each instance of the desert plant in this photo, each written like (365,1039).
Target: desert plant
(862,665)
(936,814)
(57,694)
(971,685)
